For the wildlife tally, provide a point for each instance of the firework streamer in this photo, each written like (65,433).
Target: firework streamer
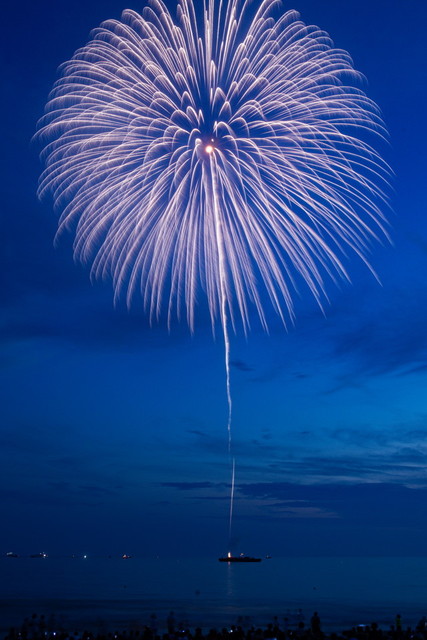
(231,153)
(216,202)
(222,273)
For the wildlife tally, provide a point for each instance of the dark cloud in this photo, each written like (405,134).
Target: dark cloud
(346,454)
(93,490)
(392,339)
(406,467)
(29,439)
(86,318)
(266,434)
(216,444)
(56,493)
(191,486)
(240,365)
(372,503)
(271,372)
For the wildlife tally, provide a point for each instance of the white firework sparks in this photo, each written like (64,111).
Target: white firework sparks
(216,153)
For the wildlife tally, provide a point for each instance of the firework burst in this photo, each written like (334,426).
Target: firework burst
(225,153)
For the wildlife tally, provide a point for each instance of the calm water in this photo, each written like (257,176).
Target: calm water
(206,593)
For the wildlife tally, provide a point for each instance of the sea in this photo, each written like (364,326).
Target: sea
(104,594)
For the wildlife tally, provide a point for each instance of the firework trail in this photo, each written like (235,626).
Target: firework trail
(230,153)
(230,520)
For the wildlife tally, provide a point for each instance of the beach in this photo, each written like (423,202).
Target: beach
(125,594)
(40,627)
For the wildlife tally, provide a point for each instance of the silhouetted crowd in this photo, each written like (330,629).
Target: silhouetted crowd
(41,628)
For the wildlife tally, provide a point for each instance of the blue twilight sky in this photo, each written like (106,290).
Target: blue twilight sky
(113,434)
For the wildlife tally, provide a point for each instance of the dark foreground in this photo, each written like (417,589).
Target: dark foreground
(42,628)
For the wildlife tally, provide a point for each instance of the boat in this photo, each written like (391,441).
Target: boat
(241,558)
